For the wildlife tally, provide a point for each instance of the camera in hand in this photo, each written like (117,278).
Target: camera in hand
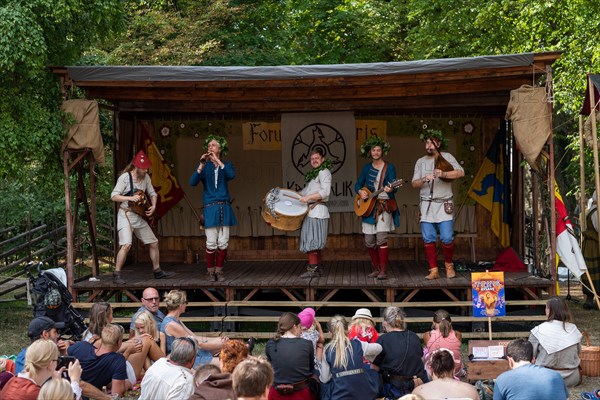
(64,361)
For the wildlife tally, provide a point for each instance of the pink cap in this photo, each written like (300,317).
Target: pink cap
(307,316)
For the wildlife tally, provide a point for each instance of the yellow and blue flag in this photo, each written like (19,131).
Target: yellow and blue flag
(491,187)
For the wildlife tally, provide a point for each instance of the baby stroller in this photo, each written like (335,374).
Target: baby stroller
(52,299)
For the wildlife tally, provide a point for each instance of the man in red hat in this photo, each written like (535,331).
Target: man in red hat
(135,177)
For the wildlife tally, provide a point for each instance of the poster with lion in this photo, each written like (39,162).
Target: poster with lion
(488,294)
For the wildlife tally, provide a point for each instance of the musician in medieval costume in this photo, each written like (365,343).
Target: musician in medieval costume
(591,252)
(313,234)
(133,186)
(214,174)
(433,175)
(385,216)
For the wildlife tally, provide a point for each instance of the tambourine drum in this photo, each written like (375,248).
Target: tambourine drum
(283,210)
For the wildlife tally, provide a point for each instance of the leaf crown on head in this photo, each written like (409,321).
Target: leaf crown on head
(221,140)
(374,141)
(437,135)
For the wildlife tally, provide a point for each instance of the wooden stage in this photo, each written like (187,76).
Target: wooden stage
(275,285)
(246,279)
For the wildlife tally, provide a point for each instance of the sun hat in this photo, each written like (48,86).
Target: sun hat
(363,313)
(307,317)
(141,161)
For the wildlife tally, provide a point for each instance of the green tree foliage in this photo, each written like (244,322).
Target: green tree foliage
(461,28)
(261,32)
(35,34)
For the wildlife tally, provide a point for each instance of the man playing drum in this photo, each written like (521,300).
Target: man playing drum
(135,176)
(313,234)
(436,204)
(385,216)
(218,214)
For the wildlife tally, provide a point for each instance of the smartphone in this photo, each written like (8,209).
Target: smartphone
(64,361)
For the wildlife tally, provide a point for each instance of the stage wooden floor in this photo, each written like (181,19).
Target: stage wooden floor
(245,280)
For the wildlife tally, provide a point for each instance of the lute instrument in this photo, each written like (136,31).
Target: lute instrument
(442,164)
(364,207)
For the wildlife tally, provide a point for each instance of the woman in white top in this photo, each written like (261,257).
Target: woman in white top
(557,342)
(313,234)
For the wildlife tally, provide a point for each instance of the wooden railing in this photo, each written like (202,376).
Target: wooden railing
(222,320)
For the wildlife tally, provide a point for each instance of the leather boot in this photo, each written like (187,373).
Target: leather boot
(312,269)
(210,265)
(448,250)
(383,262)
(219,276)
(374,253)
(450,273)
(118,279)
(433,274)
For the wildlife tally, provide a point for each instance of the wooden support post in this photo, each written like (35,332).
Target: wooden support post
(69,222)
(596,166)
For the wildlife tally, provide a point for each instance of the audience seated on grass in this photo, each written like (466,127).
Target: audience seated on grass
(171,377)
(362,328)
(173,328)
(42,328)
(252,379)
(400,362)
(150,303)
(218,385)
(311,328)
(139,351)
(104,366)
(557,342)
(444,385)
(40,366)
(443,336)
(5,374)
(341,365)
(292,359)
(526,380)
(56,389)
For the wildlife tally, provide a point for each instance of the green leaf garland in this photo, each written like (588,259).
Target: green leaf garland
(312,174)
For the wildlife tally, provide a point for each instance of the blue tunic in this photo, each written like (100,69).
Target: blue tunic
(367,177)
(351,382)
(217,201)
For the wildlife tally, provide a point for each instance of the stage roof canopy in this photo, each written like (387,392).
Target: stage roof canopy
(466,85)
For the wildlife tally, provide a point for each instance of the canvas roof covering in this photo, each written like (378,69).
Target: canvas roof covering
(479,85)
(209,73)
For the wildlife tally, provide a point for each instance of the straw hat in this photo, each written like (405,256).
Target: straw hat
(363,313)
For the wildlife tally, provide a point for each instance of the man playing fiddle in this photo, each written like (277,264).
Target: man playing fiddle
(433,175)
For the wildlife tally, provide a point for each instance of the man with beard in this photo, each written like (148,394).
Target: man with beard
(215,173)
(134,177)
(436,204)
(385,216)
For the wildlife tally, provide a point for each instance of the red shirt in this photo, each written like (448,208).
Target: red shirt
(19,388)
(363,333)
